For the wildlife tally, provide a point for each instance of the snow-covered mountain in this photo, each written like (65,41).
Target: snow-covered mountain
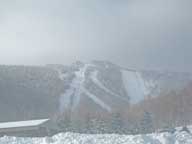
(109,87)
(32,92)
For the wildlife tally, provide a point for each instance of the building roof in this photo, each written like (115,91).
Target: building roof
(17,124)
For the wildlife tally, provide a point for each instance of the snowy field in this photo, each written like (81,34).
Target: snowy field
(71,138)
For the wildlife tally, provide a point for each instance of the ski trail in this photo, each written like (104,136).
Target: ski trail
(72,96)
(65,99)
(75,89)
(132,84)
(98,83)
(97,100)
(78,83)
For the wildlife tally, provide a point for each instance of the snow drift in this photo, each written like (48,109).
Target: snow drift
(72,138)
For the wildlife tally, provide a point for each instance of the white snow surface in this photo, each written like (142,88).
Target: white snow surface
(73,138)
(134,85)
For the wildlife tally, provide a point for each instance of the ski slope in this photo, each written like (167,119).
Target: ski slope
(72,138)
(74,89)
(105,84)
(136,86)
(97,100)
(94,78)
(72,96)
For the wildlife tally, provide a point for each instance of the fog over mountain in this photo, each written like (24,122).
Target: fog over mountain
(150,34)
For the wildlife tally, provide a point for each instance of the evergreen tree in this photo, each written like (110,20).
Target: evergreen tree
(103,126)
(64,122)
(133,128)
(146,125)
(117,125)
(87,125)
(98,126)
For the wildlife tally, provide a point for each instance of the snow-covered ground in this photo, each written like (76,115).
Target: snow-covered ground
(71,138)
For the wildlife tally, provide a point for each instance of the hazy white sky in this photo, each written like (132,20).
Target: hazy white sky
(149,34)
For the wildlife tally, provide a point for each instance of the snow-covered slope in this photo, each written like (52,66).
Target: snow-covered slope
(97,83)
(135,85)
(33,92)
(141,84)
(109,87)
(71,138)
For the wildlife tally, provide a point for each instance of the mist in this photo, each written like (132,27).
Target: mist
(150,34)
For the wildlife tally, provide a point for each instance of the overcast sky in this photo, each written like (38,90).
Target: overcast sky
(146,34)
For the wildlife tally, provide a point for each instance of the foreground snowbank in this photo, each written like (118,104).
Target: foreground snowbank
(71,138)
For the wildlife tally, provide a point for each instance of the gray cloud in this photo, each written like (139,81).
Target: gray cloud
(150,34)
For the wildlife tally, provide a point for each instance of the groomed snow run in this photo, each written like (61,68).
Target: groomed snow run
(97,100)
(75,88)
(135,85)
(71,138)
